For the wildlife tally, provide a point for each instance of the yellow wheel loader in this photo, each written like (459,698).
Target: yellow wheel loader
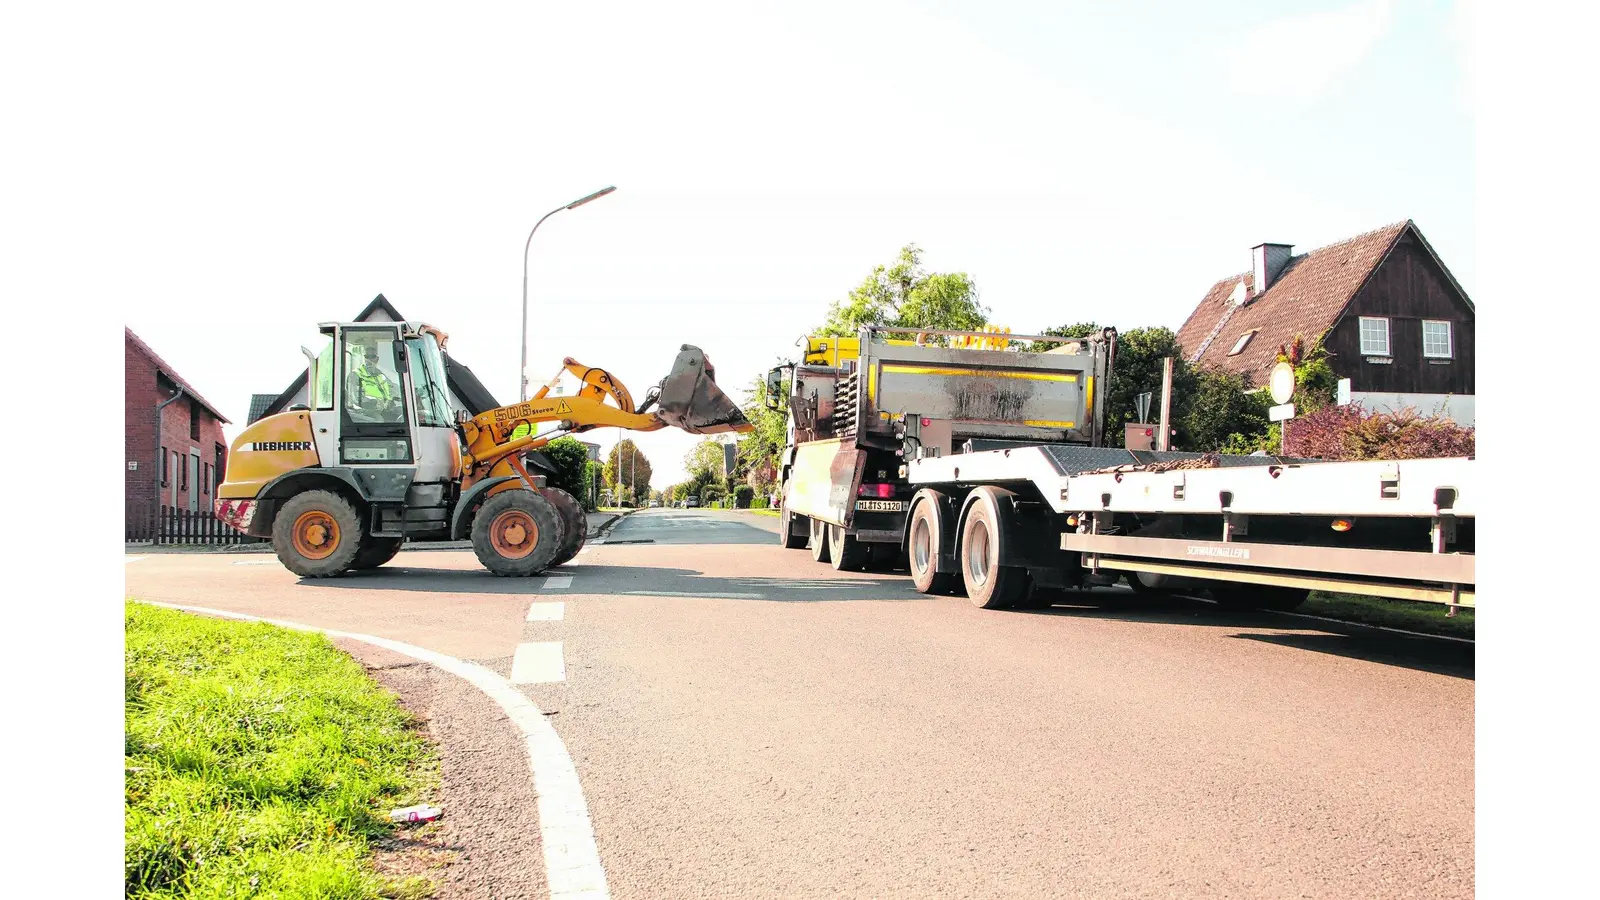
(378,455)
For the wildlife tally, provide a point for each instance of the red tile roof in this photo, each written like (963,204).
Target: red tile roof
(1310,293)
(172,373)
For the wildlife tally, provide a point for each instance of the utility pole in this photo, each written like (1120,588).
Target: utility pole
(1164,438)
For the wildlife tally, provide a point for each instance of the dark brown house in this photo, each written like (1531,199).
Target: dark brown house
(174,447)
(1393,318)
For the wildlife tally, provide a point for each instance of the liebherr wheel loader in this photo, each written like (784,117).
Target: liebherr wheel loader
(378,455)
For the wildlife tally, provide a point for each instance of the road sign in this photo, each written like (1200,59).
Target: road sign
(1282,383)
(1142,404)
(1281,413)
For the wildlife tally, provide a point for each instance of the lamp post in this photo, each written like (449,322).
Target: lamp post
(529,243)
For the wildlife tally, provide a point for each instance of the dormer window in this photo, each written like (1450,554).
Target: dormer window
(1241,343)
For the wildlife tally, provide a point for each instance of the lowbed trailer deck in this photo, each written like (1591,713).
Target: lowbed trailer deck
(1012,524)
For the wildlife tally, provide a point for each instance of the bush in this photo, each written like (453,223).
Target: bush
(1351,433)
(742,495)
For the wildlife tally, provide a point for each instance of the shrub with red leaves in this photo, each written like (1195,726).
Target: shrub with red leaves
(1349,432)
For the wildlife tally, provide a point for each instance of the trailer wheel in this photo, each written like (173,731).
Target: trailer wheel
(848,553)
(922,550)
(572,519)
(317,534)
(517,533)
(989,584)
(376,551)
(1239,596)
(787,522)
(818,540)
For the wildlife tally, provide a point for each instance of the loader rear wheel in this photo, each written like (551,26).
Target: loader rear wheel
(572,518)
(517,533)
(923,551)
(847,553)
(317,534)
(818,540)
(787,522)
(989,584)
(376,551)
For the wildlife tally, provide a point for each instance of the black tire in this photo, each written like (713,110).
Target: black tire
(786,528)
(847,553)
(923,542)
(572,519)
(323,553)
(517,533)
(376,551)
(1240,596)
(818,539)
(989,584)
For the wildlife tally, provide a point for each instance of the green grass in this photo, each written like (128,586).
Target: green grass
(764,512)
(1404,614)
(261,762)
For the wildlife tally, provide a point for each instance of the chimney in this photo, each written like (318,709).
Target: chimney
(1268,262)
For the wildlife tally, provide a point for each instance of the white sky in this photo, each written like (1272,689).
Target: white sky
(285,164)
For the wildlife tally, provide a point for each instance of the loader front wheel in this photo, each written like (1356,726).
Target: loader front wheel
(317,534)
(572,518)
(376,551)
(517,533)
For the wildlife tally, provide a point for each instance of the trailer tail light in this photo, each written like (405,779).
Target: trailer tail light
(1343,524)
(881,491)
(926,422)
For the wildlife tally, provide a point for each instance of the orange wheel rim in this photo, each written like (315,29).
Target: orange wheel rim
(514,534)
(316,535)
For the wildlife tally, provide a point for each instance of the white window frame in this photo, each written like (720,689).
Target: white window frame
(1362,336)
(1243,342)
(1449,339)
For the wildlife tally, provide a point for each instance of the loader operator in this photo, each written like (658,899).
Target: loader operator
(374,392)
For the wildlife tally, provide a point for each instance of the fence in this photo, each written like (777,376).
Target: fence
(148,524)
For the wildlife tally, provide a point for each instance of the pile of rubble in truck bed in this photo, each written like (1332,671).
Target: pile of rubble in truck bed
(1204,461)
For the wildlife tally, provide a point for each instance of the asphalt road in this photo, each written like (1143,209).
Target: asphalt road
(748,723)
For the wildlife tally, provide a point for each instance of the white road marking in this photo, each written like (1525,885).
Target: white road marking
(538,662)
(557,582)
(571,861)
(129,559)
(547,612)
(714,595)
(256,562)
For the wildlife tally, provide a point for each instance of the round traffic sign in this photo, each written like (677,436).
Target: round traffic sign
(1282,383)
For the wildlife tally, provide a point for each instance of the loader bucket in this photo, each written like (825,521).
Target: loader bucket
(691,400)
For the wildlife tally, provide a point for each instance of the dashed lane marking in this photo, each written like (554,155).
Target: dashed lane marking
(571,860)
(547,611)
(538,662)
(557,582)
(129,559)
(713,595)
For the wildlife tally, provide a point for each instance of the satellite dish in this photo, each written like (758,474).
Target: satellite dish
(1282,383)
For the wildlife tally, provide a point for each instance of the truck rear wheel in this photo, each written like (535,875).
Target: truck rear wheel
(818,540)
(376,551)
(517,533)
(572,519)
(788,525)
(848,554)
(317,534)
(922,550)
(989,584)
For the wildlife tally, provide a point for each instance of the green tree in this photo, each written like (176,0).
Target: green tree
(627,471)
(570,459)
(758,450)
(705,457)
(1080,330)
(1222,414)
(904,295)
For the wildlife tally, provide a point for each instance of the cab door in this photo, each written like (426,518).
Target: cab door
(373,413)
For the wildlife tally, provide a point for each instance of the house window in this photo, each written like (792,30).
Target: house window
(1243,342)
(1374,336)
(205,479)
(183,474)
(166,467)
(1436,340)
(194,421)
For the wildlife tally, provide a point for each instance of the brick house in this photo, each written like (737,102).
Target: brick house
(183,465)
(1395,321)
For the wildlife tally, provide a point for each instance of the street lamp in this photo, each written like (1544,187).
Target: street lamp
(573,205)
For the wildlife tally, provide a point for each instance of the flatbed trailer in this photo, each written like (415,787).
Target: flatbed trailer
(1011,526)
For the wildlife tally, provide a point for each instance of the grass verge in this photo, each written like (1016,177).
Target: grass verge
(764,512)
(1428,618)
(261,762)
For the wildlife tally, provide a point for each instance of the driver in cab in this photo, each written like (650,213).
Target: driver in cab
(371,391)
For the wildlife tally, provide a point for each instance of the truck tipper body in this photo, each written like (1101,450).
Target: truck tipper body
(1014,504)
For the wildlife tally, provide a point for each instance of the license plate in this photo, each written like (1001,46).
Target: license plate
(880,506)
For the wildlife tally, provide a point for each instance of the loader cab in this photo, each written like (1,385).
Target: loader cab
(380,399)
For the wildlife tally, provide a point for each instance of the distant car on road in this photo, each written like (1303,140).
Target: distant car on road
(654,503)
(691,503)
